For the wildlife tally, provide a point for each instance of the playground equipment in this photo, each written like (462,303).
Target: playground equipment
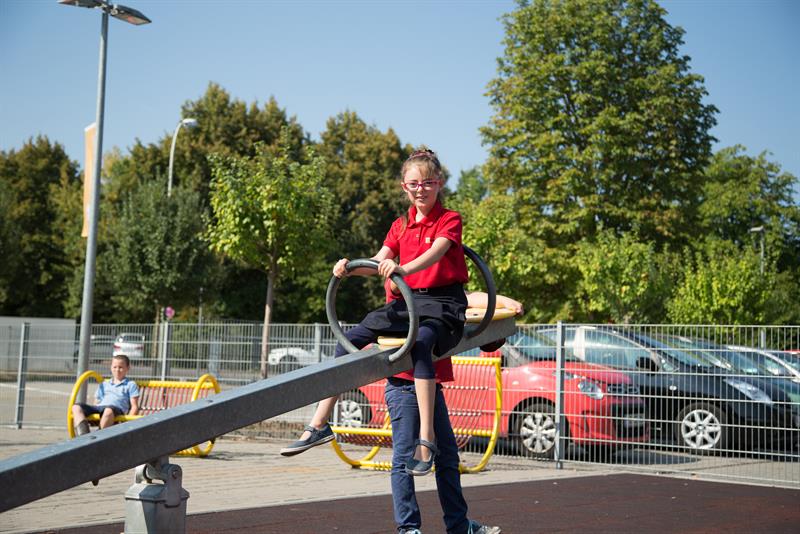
(474,401)
(157,500)
(154,396)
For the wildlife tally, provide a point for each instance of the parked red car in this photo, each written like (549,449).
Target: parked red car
(602,406)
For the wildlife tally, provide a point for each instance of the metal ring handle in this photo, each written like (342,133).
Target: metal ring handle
(408,295)
(491,290)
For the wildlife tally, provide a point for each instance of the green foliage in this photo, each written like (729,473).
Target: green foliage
(742,192)
(362,169)
(472,187)
(32,282)
(154,255)
(226,126)
(9,237)
(270,213)
(598,121)
(522,265)
(622,279)
(722,285)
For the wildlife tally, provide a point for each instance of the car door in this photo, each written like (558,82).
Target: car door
(646,369)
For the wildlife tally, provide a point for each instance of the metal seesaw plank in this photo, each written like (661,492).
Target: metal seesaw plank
(53,468)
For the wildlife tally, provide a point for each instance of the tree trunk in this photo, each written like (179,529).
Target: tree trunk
(267,318)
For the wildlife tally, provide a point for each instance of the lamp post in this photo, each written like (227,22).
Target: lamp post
(130,16)
(189,123)
(762,333)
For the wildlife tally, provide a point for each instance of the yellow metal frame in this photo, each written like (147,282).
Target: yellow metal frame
(207,381)
(366,462)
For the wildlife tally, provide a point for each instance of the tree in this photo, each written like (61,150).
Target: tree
(623,279)
(597,120)
(9,238)
(154,254)
(362,169)
(742,192)
(33,281)
(518,261)
(225,126)
(272,213)
(472,187)
(723,285)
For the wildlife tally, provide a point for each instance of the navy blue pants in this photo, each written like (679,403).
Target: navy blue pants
(361,336)
(401,398)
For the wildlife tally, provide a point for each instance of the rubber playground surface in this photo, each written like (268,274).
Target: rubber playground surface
(606,503)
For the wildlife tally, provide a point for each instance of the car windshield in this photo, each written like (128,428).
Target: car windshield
(789,358)
(703,352)
(740,360)
(682,356)
(532,347)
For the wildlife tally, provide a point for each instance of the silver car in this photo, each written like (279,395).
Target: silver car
(130,345)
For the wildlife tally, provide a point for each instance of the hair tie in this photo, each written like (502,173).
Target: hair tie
(425,153)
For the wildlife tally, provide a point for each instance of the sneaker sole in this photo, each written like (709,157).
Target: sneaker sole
(286,451)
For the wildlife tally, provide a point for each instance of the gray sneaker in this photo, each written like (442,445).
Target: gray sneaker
(318,437)
(477,528)
(409,531)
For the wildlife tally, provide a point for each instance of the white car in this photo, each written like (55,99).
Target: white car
(290,358)
(130,345)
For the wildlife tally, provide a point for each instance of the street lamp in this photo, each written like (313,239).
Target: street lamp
(128,14)
(135,17)
(189,123)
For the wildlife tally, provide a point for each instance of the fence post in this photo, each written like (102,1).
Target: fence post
(165,332)
(559,415)
(318,342)
(22,372)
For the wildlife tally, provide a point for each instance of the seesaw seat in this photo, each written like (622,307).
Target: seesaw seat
(474,315)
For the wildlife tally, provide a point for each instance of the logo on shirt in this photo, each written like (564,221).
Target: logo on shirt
(427,240)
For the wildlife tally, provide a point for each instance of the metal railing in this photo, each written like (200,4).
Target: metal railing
(153,438)
(718,402)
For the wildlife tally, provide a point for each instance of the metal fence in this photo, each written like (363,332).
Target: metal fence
(718,402)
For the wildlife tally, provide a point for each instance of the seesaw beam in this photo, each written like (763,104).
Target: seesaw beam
(48,470)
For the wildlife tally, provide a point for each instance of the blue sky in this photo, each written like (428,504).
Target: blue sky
(420,68)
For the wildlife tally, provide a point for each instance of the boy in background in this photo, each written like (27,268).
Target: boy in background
(116,396)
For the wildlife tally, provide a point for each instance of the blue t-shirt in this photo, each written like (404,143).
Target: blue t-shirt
(118,395)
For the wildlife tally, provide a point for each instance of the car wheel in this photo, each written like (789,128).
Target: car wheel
(534,430)
(288,364)
(354,410)
(701,428)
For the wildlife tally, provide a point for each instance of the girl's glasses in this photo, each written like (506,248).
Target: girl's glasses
(427,184)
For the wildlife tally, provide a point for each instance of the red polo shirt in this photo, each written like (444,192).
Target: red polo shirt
(416,238)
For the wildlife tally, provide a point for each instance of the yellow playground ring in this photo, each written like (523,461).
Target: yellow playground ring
(385,432)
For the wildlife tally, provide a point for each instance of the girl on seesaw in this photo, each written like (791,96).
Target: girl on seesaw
(427,243)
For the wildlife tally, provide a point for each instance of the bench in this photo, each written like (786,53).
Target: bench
(154,396)
(473,400)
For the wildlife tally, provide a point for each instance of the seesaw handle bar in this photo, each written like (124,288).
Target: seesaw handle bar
(408,295)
